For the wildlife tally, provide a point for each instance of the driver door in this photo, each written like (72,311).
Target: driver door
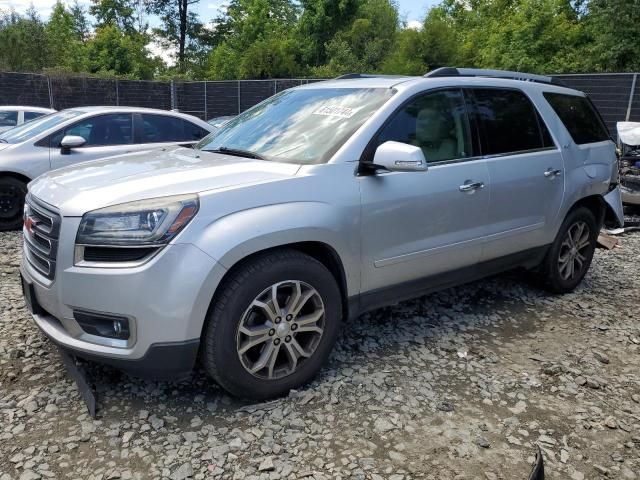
(417,225)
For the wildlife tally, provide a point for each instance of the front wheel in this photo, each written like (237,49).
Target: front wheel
(570,255)
(272,325)
(12,194)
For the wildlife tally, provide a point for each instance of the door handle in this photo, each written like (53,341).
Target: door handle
(470,187)
(551,173)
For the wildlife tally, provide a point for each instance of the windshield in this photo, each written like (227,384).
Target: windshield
(28,130)
(304,126)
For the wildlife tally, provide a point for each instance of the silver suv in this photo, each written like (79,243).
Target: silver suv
(322,202)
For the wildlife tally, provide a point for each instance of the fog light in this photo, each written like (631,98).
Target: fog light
(103,325)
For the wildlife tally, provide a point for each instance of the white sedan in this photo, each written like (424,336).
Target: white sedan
(82,134)
(12,116)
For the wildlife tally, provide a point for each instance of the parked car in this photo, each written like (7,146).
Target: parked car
(320,203)
(629,135)
(78,135)
(11,116)
(220,121)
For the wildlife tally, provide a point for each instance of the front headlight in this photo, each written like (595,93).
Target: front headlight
(145,222)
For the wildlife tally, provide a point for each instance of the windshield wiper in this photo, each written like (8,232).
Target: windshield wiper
(237,152)
(2,140)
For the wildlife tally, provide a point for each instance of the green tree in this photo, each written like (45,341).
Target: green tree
(181,27)
(24,42)
(113,52)
(81,23)
(320,21)
(362,45)
(114,12)
(406,57)
(614,30)
(255,40)
(65,43)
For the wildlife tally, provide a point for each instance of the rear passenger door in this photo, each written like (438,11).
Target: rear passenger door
(525,167)
(156,130)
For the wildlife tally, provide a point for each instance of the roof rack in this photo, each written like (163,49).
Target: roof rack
(479,72)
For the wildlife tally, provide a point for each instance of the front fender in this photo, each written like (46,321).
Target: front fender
(233,237)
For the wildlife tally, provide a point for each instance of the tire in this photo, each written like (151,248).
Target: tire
(12,194)
(227,353)
(556,274)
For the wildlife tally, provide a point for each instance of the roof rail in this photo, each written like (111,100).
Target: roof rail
(347,76)
(479,72)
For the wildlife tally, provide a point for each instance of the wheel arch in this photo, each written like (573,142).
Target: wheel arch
(16,175)
(601,210)
(320,251)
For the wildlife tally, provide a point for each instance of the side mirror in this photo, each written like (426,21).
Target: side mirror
(71,141)
(400,157)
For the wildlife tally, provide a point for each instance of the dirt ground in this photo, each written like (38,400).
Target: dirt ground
(461,384)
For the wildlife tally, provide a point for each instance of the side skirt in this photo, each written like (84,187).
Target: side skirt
(416,288)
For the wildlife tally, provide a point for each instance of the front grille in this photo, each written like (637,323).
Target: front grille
(41,232)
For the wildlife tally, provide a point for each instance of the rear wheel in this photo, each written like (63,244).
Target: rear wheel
(272,325)
(570,255)
(12,194)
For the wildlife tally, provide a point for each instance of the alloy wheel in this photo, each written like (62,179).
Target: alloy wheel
(281,328)
(574,251)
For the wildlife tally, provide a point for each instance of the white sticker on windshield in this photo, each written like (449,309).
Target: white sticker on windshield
(342,112)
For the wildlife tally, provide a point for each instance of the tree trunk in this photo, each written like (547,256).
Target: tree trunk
(182,11)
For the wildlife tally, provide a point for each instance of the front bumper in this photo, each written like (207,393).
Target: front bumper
(166,301)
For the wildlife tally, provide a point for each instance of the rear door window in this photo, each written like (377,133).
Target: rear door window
(579,116)
(165,128)
(8,119)
(509,122)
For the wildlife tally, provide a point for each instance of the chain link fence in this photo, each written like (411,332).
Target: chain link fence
(616,95)
(205,99)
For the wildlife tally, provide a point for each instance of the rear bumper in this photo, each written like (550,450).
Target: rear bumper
(614,201)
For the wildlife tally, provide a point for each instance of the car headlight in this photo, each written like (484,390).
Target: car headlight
(145,222)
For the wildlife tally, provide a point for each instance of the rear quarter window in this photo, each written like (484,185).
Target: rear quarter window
(579,116)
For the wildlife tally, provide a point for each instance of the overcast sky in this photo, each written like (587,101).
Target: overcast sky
(411,10)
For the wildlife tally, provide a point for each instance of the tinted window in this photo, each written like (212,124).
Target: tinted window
(509,121)
(579,116)
(161,128)
(436,122)
(101,130)
(31,115)
(193,131)
(8,119)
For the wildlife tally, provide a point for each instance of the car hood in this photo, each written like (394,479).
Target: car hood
(87,186)
(4,145)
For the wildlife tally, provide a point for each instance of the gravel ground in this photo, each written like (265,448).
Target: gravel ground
(460,384)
